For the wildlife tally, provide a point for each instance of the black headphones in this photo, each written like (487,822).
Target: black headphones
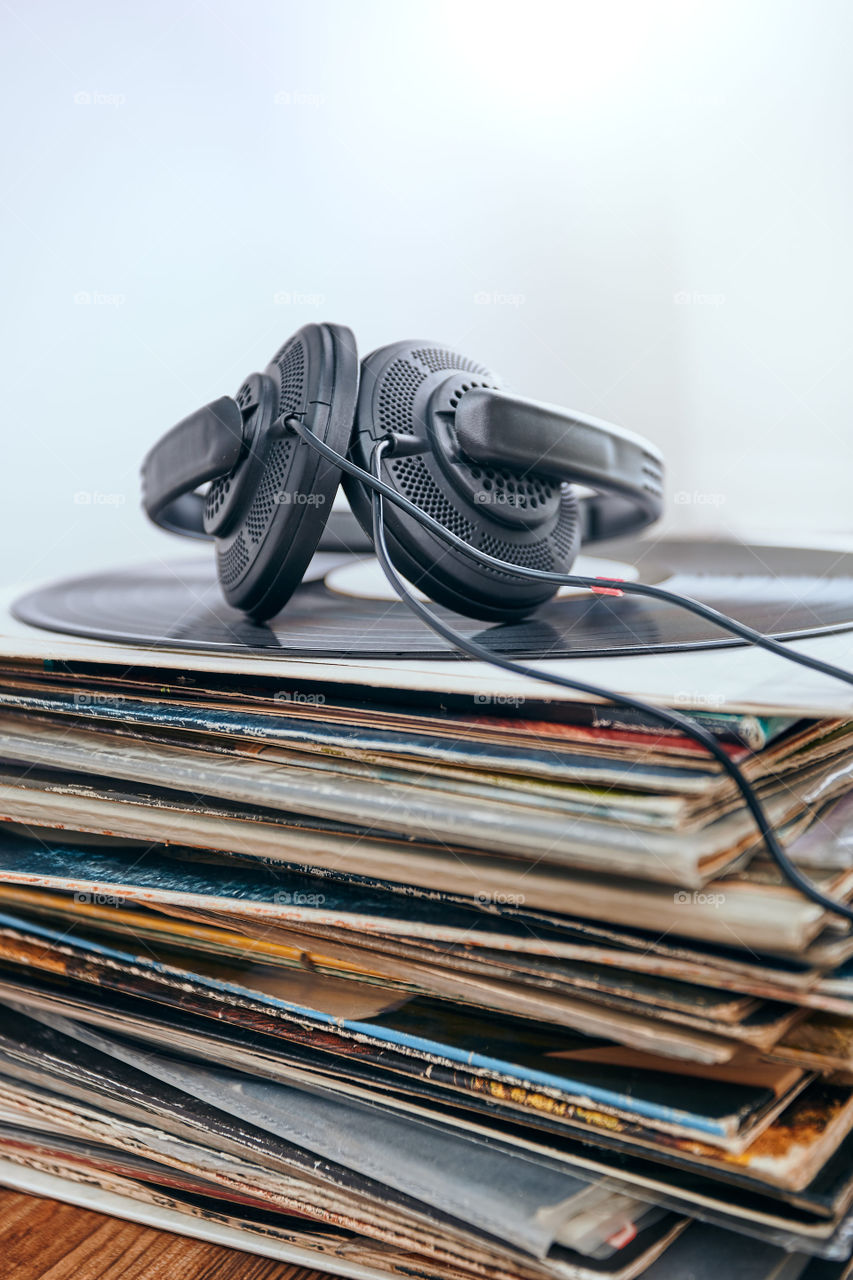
(494,468)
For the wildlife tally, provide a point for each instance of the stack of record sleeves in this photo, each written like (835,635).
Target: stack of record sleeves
(410,967)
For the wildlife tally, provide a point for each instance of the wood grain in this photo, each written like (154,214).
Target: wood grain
(46,1240)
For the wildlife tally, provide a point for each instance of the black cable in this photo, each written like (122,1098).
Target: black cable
(664,715)
(714,616)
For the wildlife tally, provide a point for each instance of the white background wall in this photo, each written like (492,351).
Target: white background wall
(653,199)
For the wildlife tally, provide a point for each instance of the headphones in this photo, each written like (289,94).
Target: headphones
(495,469)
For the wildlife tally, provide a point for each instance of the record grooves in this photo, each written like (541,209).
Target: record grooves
(785,592)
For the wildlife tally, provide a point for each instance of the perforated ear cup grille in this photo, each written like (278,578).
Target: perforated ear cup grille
(270,491)
(290,362)
(216,495)
(522,492)
(233,555)
(549,553)
(416,484)
(397,397)
(232,561)
(436,358)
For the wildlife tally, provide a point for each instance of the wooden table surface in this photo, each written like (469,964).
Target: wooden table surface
(46,1240)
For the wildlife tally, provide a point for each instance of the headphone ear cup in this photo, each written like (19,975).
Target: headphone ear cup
(268,514)
(411,390)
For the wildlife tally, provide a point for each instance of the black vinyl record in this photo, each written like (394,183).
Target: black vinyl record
(782,591)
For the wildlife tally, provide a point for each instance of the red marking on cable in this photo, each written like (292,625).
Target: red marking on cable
(623,1237)
(607,591)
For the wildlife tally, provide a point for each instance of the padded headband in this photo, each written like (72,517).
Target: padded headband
(202,447)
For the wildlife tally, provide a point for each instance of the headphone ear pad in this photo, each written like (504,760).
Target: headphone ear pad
(522,518)
(270,511)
